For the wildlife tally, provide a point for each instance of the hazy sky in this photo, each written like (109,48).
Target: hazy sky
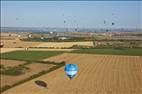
(87,14)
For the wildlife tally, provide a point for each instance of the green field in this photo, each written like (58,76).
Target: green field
(29,55)
(112,51)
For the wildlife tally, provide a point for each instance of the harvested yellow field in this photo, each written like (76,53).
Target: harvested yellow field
(64,44)
(18,44)
(23,44)
(98,74)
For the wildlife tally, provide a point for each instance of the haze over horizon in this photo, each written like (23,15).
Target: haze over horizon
(72,14)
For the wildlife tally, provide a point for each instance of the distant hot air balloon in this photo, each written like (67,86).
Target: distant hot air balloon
(63,15)
(17,18)
(75,29)
(112,23)
(71,70)
(104,22)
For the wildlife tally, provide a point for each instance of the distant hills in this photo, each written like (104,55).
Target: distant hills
(44,29)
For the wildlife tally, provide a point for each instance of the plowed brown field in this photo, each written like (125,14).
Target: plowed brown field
(98,74)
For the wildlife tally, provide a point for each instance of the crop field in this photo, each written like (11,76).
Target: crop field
(25,44)
(98,74)
(18,44)
(111,51)
(29,55)
(64,44)
(33,68)
(10,63)
(22,71)
(20,66)
(4,50)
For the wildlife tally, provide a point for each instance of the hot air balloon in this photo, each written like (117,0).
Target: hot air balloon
(17,18)
(75,29)
(104,22)
(64,21)
(112,23)
(71,70)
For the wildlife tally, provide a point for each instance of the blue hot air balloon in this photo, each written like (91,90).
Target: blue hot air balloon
(71,70)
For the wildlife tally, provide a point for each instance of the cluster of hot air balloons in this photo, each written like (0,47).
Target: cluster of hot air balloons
(111,23)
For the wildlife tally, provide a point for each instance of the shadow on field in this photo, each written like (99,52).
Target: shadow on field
(41,83)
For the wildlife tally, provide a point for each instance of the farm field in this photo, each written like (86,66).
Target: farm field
(111,51)
(98,74)
(23,44)
(10,63)
(29,55)
(18,66)
(18,44)
(4,50)
(64,44)
(33,68)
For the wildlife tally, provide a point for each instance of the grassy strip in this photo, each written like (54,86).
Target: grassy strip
(111,51)
(59,65)
(29,55)
(46,62)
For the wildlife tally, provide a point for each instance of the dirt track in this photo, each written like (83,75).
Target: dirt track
(98,74)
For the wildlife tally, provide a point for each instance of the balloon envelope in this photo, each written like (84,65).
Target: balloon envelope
(71,70)
(113,23)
